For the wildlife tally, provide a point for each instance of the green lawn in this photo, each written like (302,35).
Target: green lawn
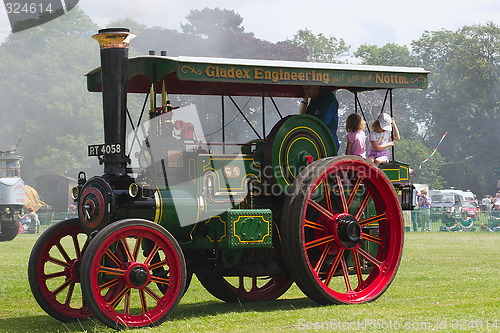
(447,282)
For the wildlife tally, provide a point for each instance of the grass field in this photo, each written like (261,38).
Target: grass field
(447,282)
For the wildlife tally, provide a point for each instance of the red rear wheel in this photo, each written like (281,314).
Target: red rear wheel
(54,271)
(342,231)
(133,274)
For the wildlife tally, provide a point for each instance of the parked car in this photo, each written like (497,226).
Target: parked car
(454,202)
(444,202)
(471,208)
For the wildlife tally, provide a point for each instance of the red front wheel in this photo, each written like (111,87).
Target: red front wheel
(133,274)
(342,231)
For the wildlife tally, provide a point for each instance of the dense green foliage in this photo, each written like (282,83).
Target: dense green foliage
(45,103)
(44,98)
(320,47)
(207,22)
(462,100)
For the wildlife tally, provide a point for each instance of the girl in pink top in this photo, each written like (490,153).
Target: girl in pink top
(356,137)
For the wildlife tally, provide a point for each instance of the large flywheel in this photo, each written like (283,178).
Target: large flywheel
(294,142)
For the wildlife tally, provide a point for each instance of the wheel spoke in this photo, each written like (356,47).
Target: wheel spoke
(69,296)
(58,262)
(137,247)
(328,198)
(152,294)
(111,255)
(126,249)
(322,258)
(363,205)
(85,245)
(335,264)
(254,287)
(372,220)
(151,255)
(63,286)
(241,284)
(76,245)
(345,274)
(114,303)
(371,238)
(109,284)
(369,257)
(54,275)
(357,267)
(314,225)
(63,252)
(111,270)
(320,208)
(158,264)
(159,279)
(144,303)
(340,187)
(354,191)
(126,302)
(319,241)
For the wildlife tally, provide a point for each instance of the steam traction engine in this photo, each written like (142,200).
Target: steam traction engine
(12,196)
(248,224)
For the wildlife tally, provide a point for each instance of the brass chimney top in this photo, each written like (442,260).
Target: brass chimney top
(114,38)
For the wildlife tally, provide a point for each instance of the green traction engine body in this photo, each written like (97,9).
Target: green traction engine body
(218,206)
(222,208)
(280,209)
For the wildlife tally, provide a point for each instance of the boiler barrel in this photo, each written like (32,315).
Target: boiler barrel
(176,209)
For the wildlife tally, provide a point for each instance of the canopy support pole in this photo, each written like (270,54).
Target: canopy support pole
(223,125)
(263,115)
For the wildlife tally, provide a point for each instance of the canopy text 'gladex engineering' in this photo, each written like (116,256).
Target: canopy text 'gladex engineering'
(266,75)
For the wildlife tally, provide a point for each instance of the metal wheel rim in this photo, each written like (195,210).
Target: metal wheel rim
(54,271)
(116,300)
(326,255)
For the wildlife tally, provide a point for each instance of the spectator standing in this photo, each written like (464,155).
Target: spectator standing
(497,198)
(424,208)
(34,219)
(415,216)
(486,202)
(26,222)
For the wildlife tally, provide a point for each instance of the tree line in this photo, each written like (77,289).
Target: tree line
(46,105)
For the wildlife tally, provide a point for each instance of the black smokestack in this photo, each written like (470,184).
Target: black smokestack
(114,45)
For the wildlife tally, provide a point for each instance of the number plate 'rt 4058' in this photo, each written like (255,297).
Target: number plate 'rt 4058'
(104,149)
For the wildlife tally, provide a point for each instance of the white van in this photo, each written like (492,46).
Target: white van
(453,202)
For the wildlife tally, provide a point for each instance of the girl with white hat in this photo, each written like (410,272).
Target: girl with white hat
(380,139)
